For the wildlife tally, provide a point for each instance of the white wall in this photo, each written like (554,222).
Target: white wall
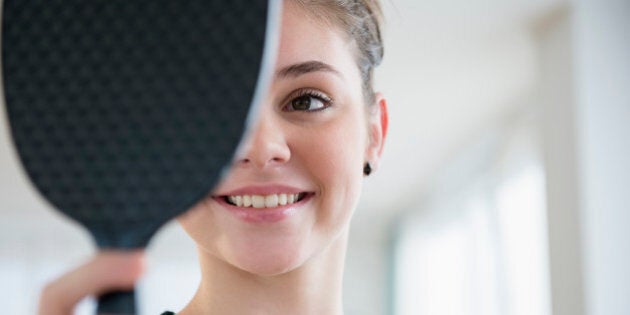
(584,86)
(556,95)
(602,65)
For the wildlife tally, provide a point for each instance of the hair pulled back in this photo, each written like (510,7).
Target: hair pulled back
(360,20)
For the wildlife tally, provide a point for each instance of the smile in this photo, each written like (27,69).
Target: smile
(264,201)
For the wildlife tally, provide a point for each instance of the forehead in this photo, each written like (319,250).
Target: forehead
(305,38)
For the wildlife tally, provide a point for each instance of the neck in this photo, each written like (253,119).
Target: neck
(313,288)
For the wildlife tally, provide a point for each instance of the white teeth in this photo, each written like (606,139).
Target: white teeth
(258,201)
(282,199)
(271,201)
(247,201)
(267,201)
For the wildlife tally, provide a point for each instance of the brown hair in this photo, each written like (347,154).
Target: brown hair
(361,21)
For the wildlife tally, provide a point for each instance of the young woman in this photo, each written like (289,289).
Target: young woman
(272,236)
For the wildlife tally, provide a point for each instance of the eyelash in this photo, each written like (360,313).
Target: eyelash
(326,101)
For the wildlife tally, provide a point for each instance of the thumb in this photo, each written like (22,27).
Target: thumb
(106,271)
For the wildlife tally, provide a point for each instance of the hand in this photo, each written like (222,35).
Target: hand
(107,271)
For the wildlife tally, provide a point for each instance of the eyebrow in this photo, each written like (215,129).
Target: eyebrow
(301,68)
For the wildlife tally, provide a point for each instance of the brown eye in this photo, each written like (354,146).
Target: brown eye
(301,103)
(307,102)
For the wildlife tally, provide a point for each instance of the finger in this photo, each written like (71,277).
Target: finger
(107,271)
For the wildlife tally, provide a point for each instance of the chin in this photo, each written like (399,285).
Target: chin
(269,265)
(271,254)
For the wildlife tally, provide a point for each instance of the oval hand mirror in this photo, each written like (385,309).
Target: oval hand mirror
(126,113)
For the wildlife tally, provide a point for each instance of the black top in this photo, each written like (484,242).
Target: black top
(168,313)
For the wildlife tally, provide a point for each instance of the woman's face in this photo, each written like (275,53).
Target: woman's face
(292,189)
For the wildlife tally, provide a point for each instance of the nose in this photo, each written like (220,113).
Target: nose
(265,145)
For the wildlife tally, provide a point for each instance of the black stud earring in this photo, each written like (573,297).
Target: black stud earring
(367,169)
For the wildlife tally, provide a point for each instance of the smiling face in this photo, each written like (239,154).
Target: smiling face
(292,189)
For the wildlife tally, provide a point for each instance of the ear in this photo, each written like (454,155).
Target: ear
(378,121)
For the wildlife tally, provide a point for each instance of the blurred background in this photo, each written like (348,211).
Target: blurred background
(504,187)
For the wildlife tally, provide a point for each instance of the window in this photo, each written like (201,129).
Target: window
(478,244)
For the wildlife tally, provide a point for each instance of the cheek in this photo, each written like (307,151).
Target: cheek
(201,225)
(191,221)
(334,151)
(333,157)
